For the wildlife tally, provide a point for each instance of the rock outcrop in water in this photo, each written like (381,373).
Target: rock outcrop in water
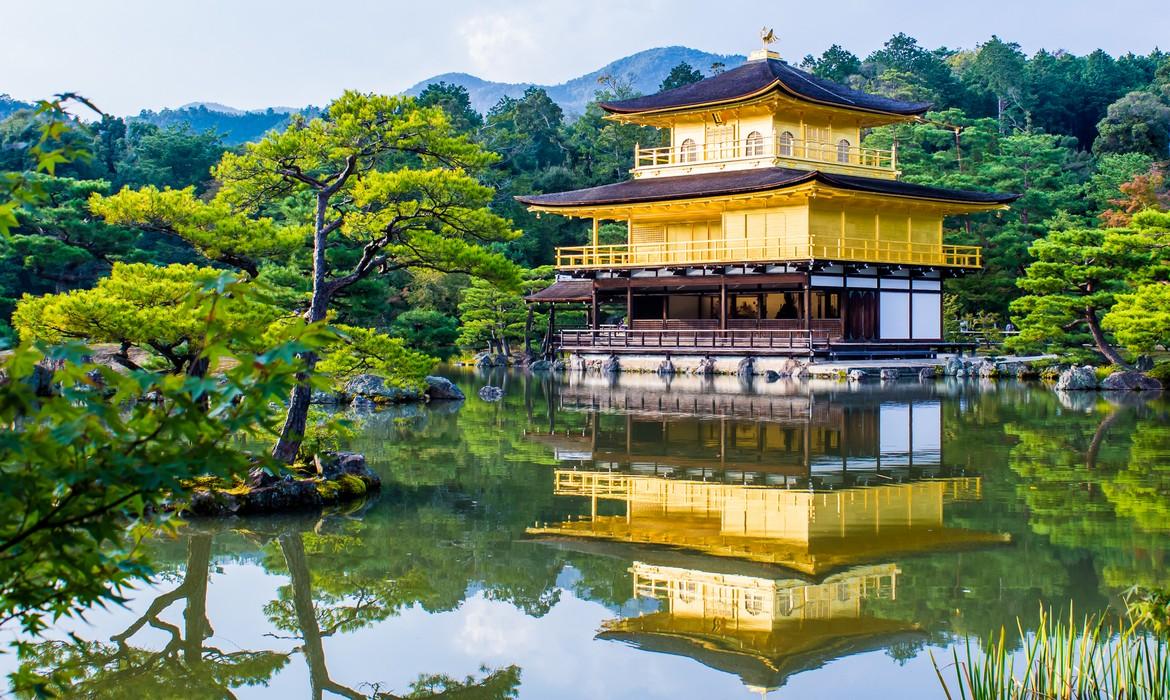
(374,388)
(340,476)
(1077,379)
(1130,380)
(491,393)
(443,389)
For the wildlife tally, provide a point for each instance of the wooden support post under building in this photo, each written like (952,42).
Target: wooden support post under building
(629,305)
(593,320)
(807,305)
(723,305)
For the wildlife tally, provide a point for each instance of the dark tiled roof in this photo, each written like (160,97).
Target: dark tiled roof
(755,77)
(651,189)
(565,290)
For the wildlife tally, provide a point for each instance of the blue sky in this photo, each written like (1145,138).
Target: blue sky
(131,54)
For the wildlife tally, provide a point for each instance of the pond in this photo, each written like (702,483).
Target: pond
(638,537)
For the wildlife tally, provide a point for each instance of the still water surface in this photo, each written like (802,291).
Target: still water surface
(642,538)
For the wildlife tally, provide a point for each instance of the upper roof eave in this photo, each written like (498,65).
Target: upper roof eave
(756,78)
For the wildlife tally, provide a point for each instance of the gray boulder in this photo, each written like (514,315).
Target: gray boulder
(801,372)
(855,375)
(953,366)
(1131,380)
(374,388)
(1077,379)
(889,375)
(491,393)
(986,369)
(540,366)
(559,366)
(1008,369)
(483,359)
(326,398)
(666,367)
(443,389)
(611,365)
(1144,363)
(746,368)
(706,367)
(789,366)
(771,375)
(926,374)
(334,465)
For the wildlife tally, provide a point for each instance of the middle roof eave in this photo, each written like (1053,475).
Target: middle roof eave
(643,190)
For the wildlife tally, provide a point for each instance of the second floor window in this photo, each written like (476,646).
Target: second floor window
(688,153)
(755,144)
(843,151)
(785,144)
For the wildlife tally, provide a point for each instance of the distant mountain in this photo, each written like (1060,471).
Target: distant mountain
(236,126)
(645,69)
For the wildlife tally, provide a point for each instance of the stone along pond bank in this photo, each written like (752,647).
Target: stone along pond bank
(1061,377)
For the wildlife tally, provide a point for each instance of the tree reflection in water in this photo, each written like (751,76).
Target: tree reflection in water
(187,667)
(1078,484)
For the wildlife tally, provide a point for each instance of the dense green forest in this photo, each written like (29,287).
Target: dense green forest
(1084,139)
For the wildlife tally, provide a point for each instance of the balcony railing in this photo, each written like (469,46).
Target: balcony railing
(770,147)
(722,251)
(765,341)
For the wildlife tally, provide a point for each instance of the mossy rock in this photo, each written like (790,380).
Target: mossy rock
(338,477)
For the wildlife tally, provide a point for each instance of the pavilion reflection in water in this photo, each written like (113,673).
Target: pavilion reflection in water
(765,541)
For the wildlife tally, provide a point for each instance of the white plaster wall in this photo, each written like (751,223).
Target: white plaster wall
(927,320)
(894,316)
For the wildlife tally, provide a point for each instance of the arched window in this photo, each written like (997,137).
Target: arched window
(786,141)
(755,144)
(688,152)
(843,151)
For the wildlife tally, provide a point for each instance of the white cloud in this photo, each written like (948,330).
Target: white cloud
(499,44)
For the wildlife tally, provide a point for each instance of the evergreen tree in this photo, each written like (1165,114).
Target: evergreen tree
(682,74)
(836,64)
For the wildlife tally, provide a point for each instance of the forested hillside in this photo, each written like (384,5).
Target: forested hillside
(233,125)
(1084,139)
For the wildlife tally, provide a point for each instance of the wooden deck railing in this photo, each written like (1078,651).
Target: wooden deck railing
(771,147)
(723,251)
(787,341)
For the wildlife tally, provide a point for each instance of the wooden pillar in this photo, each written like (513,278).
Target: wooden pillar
(807,303)
(593,321)
(723,305)
(844,306)
(629,305)
(595,232)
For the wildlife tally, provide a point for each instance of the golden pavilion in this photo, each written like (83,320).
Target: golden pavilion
(763,228)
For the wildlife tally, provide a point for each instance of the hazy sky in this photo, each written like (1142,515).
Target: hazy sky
(130,54)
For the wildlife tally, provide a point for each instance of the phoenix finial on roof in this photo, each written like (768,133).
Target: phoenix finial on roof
(768,36)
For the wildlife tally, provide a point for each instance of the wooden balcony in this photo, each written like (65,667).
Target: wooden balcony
(698,341)
(784,152)
(776,250)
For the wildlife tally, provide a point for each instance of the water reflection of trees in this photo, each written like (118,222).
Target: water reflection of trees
(1081,489)
(1096,484)
(314,605)
(185,667)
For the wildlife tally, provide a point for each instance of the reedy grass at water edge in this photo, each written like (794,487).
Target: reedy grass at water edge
(1064,661)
